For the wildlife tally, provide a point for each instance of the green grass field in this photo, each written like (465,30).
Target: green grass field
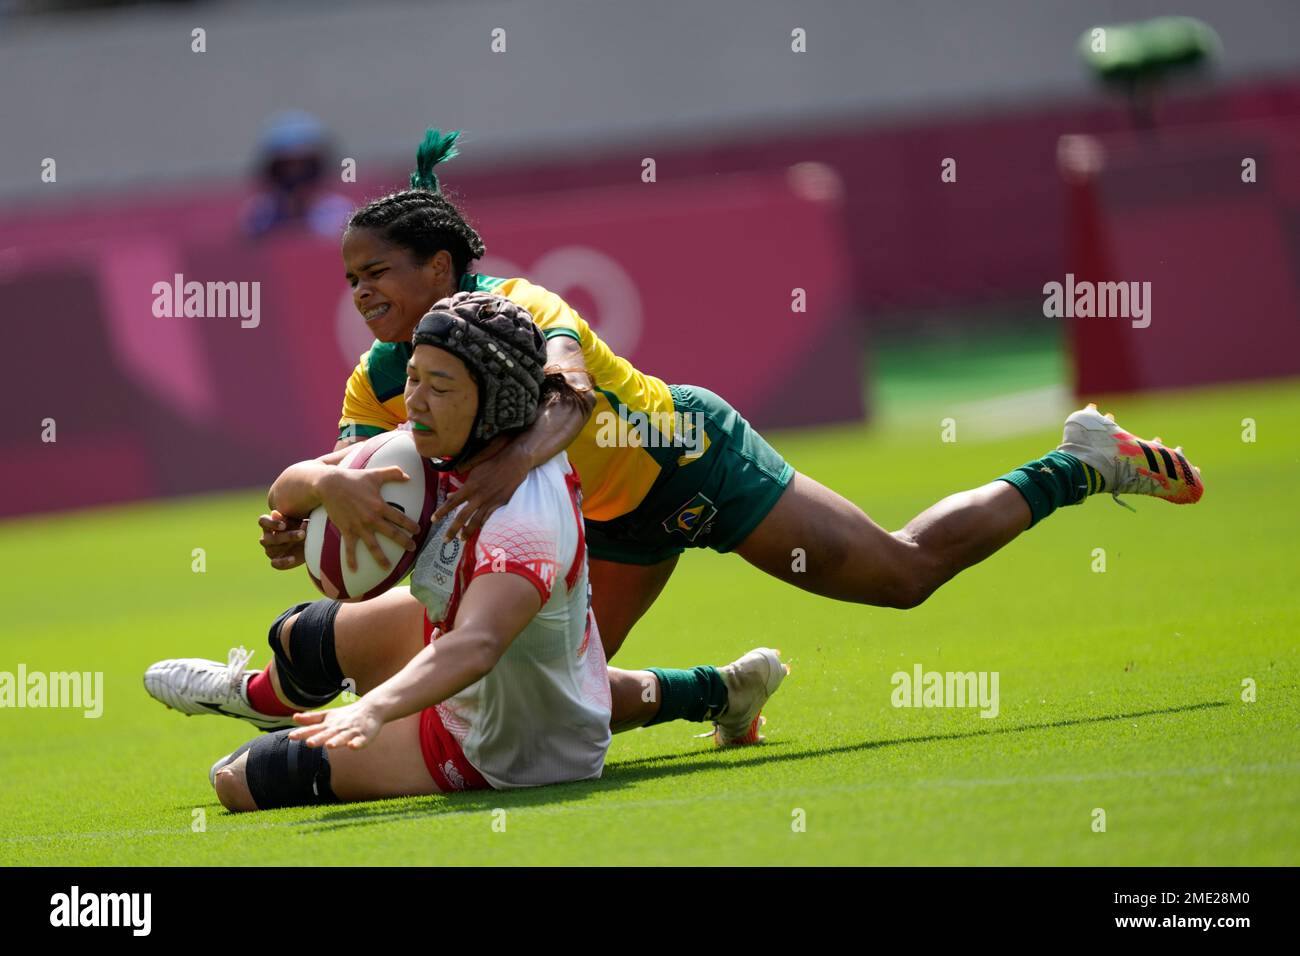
(1119,690)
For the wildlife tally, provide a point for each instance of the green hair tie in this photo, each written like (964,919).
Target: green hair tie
(436,148)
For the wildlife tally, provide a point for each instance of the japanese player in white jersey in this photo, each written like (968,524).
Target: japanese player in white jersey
(507,686)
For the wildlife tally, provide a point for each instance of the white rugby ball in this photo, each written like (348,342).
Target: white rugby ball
(417,498)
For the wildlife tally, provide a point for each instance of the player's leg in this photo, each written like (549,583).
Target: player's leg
(327,646)
(634,699)
(741,495)
(621,593)
(731,697)
(372,640)
(318,647)
(273,771)
(845,555)
(323,645)
(849,557)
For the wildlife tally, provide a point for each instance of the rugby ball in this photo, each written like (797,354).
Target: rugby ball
(417,498)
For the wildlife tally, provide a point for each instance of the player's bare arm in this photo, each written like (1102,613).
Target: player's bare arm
(351,497)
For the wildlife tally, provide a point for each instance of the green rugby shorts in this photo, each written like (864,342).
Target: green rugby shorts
(711,501)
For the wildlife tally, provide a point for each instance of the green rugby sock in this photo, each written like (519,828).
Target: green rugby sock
(1055,480)
(697,694)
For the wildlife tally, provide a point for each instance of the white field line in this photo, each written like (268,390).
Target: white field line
(1005,416)
(988,419)
(570,806)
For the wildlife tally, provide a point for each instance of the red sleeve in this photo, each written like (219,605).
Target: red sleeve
(525,549)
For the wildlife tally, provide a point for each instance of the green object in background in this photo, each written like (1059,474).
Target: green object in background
(1134,53)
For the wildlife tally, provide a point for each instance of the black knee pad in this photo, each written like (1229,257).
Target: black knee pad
(287,773)
(313,677)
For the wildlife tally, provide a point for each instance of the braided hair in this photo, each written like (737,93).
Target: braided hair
(421,219)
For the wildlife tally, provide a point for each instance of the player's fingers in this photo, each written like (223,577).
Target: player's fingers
(350,546)
(376,552)
(281,551)
(270,523)
(453,499)
(475,523)
(340,738)
(316,737)
(359,741)
(398,534)
(458,523)
(282,539)
(398,517)
(392,473)
(289,559)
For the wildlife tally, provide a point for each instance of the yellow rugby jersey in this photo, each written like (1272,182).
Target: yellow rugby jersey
(617,463)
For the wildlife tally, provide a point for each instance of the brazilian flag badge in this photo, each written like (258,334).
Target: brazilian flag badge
(691,518)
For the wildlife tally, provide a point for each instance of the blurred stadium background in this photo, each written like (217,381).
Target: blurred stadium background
(775,171)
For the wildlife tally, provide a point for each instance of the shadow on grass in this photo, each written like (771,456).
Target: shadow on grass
(874,744)
(454,804)
(625,773)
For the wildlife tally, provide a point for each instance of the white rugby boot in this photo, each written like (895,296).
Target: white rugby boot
(750,681)
(1129,465)
(193,685)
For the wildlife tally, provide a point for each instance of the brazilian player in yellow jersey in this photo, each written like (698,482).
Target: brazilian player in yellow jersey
(615,479)
(646,502)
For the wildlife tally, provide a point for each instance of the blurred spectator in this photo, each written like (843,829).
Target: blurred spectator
(293,154)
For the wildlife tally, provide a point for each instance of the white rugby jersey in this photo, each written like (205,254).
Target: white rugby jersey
(541,715)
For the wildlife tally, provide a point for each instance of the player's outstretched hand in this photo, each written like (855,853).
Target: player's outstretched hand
(353,726)
(487,487)
(282,539)
(356,508)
